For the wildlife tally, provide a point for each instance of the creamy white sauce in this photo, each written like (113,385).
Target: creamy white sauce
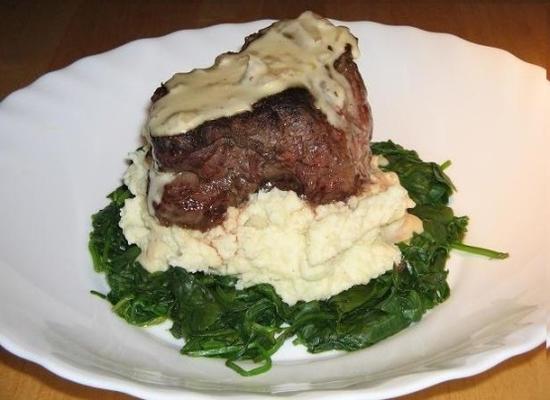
(157,182)
(305,252)
(292,53)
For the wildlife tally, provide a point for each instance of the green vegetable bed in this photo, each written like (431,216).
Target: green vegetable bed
(217,320)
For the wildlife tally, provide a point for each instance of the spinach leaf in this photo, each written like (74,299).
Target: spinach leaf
(425,181)
(138,296)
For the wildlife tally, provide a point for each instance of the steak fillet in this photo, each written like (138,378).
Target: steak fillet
(284,142)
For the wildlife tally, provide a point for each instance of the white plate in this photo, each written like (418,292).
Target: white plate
(62,144)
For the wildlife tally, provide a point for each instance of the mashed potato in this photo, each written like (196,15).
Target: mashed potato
(305,252)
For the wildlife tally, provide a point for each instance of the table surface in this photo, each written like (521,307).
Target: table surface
(37,37)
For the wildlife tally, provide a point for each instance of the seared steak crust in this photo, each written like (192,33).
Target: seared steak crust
(284,142)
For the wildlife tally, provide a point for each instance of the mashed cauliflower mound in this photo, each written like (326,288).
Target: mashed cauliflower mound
(306,253)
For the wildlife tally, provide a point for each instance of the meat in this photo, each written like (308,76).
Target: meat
(285,141)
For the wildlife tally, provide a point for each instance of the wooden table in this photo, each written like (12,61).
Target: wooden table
(37,37)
